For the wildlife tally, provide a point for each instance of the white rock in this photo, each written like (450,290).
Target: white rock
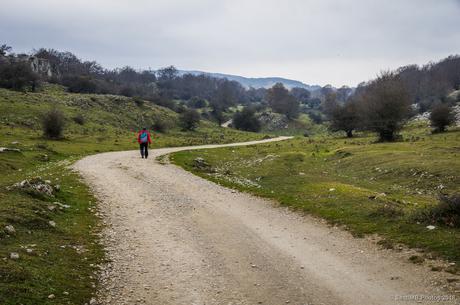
(10,229)
(52,223)
(14,255)
(51,296)
(331,189)
(430,227)
(93,301)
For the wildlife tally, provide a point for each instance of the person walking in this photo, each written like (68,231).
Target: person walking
(144,139)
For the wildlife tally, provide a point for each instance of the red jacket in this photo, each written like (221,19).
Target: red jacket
(149,140)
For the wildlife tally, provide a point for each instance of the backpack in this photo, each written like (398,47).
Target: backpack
(144,137)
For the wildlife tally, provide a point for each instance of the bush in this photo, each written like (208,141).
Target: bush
(18,76)
(246,120)
(79,119)
(196,102)
(53,123)
(441,116)
(80,84)
(138,101)
(189,119)
(446,212)
(316,117)
(160,125)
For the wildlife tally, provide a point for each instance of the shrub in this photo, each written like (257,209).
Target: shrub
(189,119)
(196,102)
(316,117)
(138,101)
(441,116)
(246,120)
(80,84)
(160,125)
(79,119)
(53,123)
(446,212)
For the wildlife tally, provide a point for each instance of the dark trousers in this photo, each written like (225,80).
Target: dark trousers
(144,150)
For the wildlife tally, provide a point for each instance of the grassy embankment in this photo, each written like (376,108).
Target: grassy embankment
(367,187)
(61,260)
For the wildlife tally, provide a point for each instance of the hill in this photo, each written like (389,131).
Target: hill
(257,82)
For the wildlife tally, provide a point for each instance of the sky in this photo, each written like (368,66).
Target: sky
(338,42)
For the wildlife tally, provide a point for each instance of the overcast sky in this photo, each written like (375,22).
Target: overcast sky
(339,42)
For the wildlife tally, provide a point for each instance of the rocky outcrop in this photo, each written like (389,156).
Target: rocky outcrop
(40,66)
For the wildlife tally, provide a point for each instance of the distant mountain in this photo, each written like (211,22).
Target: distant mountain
(257,82)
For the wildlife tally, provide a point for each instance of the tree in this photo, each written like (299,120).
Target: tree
(246,120)
(343,93)
(18,76)
(345,118)
(226,94)
(329,104)
(441,116)
(301,94)
(385,105)
(5,49)
(281,101)
(189,119)
(217,114)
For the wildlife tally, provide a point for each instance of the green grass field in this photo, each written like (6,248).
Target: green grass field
(365,186)
(62,260)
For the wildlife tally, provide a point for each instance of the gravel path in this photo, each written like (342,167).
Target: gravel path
(174,238)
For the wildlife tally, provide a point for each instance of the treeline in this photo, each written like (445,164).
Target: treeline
(161,87)
(384,104)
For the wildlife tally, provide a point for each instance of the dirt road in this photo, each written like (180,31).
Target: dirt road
(175,238)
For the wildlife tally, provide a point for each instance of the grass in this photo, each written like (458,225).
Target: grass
(365,186)
(64,258)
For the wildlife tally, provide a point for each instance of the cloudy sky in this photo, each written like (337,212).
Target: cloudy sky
(341,42)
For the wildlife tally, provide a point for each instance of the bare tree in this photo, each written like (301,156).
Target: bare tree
(345,117)
(281,101)
(386,106)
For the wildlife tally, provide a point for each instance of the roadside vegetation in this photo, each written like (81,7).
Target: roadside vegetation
(405,191)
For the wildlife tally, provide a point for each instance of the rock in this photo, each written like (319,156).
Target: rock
(6,149)
(35,186)
(201,164)
(10,229)
(29,250)
(331,189)
(93,301)
(14,255)
(65,293)
(52,223)
(61,205)
(51,296)
(430,227)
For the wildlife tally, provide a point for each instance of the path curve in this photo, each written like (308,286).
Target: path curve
(174,238)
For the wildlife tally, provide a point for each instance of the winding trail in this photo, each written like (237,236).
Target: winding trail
(174,238)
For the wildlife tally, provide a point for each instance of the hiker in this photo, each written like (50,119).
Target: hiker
(144,140)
